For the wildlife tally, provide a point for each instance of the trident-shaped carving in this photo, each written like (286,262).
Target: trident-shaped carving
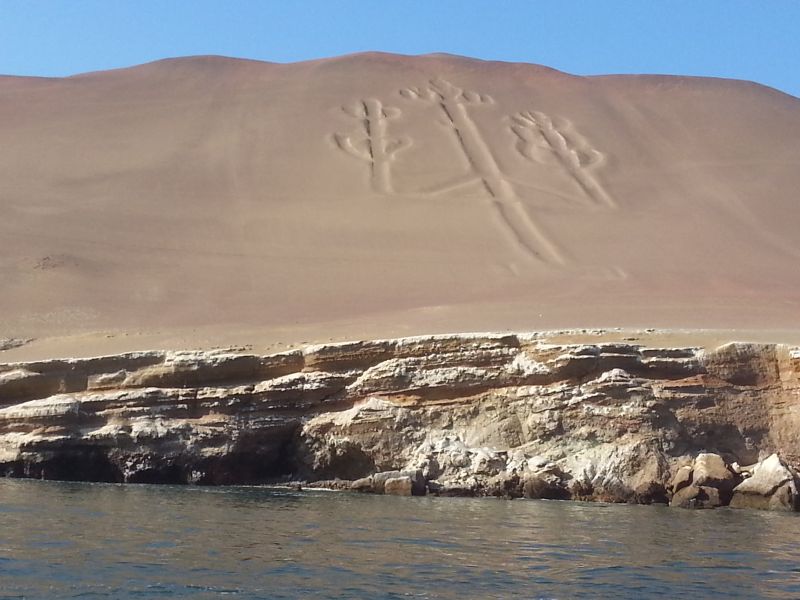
(371,143)
(453,102)
(550,141)
(541,138)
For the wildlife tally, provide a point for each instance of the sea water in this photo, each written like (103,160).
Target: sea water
(78,540)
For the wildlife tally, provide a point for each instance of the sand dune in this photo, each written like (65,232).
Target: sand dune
(206,200)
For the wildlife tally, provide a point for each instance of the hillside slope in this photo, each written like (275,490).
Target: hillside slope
(206,200)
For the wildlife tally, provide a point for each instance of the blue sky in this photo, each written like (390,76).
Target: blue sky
(743,39)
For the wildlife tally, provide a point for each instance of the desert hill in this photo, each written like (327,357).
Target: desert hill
(206,200)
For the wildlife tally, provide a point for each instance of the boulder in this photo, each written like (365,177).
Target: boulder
(681,479)
(342,485)
(379,479)
(709,497)
(651,492)
(613,490)
(695,496)
(376,484)
(785,498)
(505,485)
(451,490)
(772,486)
(684,498)
(363,485)
(710,470)
(398,486)
(706,483)
(541,486)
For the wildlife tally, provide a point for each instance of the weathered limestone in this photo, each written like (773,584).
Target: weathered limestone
(682,478)
(480,414)
(707,483)
(695,496)
(398,486)
(710,470)
(772,486)
(397,483)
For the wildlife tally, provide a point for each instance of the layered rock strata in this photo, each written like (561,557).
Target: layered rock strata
(474,414)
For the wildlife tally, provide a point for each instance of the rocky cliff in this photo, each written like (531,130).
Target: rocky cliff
(502,414)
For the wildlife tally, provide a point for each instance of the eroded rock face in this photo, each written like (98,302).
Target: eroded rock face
(483,414)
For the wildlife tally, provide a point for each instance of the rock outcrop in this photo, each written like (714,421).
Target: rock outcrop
(772,485)
(9,343)
(707,483)
(481,414)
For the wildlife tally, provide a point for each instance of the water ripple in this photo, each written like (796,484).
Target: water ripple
(72,540)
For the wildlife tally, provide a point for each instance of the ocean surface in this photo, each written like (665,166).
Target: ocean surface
(76,540)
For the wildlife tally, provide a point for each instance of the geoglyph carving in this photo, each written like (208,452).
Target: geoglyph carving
(542,139)
(554,141)
(371,144)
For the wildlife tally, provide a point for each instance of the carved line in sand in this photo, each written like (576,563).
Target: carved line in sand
(371,143)
(453,102)
(550,141)
(541,140)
